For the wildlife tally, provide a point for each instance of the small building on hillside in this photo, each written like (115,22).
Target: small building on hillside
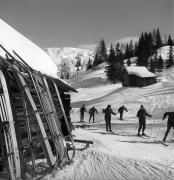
(138,76)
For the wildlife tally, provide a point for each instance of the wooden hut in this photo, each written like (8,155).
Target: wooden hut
(34,109)
(138,76)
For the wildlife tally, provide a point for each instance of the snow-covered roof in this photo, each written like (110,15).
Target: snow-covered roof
(34,56)
(140,71)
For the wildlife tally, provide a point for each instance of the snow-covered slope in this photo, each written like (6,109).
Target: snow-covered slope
(93,89)
(83,52)
(70,55)
(164,52)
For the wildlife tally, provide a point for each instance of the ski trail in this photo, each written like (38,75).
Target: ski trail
(95,164)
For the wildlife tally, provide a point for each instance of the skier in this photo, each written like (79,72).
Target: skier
(121,110)
(141,114)
(170,123)
(108,111)
(92,112)
(82,112)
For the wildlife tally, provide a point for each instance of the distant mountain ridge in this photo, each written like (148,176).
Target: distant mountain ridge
(70,55)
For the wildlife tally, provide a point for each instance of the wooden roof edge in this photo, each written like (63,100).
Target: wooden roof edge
(22,62)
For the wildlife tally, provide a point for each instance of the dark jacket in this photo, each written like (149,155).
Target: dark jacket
(141,114)
(108,113)
(170,117)
(93,110)
(82,110)
(121,109)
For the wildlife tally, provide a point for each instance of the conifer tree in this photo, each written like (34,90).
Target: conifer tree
(158,39)
(127,54)
(96,60)
(89,64)
(169,41)
(160,63)
(170,62)
(119,66)
(131,48)
(152,65)
(142,54)
(136,49)
(101,51)
(110,69)
(128,62)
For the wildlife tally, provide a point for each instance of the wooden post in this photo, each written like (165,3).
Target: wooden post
(10,119)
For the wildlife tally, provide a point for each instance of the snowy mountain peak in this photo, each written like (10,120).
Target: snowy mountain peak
(70,55)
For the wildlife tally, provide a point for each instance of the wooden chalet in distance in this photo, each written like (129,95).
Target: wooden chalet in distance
(35,108)
(138,76)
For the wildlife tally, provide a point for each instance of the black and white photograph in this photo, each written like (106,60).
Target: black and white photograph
(86,89)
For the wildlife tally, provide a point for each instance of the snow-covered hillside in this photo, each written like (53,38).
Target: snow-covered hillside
(93,89)
(121,154)
(164,52)
(83,52)
(70,55)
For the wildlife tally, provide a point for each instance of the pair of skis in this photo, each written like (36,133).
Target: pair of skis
(9,133)
(156,141)
(43,91)
(162,142)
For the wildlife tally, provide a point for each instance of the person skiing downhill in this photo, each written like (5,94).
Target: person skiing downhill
(82,112)
(170,123)
(121,110)
(92,112)
(108,111)
(141,114)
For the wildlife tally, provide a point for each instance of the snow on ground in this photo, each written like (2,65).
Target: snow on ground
(164,52)
(122,154)
(141,71)
(70,55)
(156,98)
(89,78)
(87,94)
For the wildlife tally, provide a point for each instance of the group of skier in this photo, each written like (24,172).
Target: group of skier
(108,111)
(141,114)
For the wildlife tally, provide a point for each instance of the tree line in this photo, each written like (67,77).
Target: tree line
(145,49)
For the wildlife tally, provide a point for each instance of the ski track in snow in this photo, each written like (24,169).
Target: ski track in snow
(95,164)
(120,156)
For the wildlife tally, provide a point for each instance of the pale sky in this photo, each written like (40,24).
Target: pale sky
(55,23)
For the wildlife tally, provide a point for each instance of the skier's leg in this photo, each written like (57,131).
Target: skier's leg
(90,117)
(167,132)
(82,117)
(93,118)
(144,127)
(140,126)
(109,124)
(121,116)
(106,124)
